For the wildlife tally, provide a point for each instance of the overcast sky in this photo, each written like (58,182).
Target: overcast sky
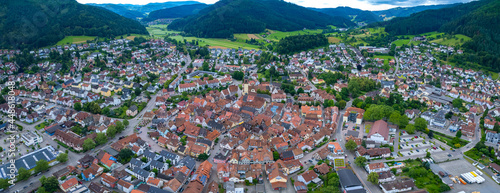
(360,4)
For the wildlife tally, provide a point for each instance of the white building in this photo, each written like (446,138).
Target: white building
(31,138)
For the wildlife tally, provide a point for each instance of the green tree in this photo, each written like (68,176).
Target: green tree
(428,155)
(88,144)
(203,156)
(351,145)
(341,104)
(137,91)
(62,157)
(119,126)
(373,177)
(276,155)
(430,134)
(41,165)
(125,123)
(111,131)
(360,161)
(459,134)
(4,183)
(23,174)
(101,139)
(125,155)
(50,184)
(395,117)
(410,129)
(238,75)
(77,106)
(420,124)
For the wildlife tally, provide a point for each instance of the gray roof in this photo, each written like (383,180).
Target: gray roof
(188,162)
(153,189)
(28,161)
(348,179)
(157,164)
(141,172)
(168,155)
(150,155)
(136,162)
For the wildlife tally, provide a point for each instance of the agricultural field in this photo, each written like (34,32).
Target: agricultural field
(459,39)
(217,43)
(400,42)
(278,35)
(333,40)
(161,31)
(75,40)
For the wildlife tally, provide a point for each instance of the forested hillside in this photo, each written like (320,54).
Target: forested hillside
(292,44)
(176,12)
(407,11)
(351,13)
(479,20)
(227,17)
(39,23)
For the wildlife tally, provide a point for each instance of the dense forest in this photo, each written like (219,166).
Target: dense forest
(227,17)
(478,19)
(125,9)
(176,12)
(346,12)
(39,23)
(298,43)
(407,11)
(120,10)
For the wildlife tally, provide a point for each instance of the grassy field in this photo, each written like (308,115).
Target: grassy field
(75,40)
(459,39)
(333,40)
(161,31)
(385,57)
(401,42)
(278,35)
(217,43)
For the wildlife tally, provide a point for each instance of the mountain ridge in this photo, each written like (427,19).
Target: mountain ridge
(226,17)
(39,23)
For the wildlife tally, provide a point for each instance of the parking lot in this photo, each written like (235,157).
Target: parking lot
(457,167)
(415,145)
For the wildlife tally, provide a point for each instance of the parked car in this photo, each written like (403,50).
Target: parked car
(418,150)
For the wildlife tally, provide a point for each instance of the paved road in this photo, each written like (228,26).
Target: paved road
(360,172)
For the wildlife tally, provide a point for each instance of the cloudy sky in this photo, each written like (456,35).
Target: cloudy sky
(360,4)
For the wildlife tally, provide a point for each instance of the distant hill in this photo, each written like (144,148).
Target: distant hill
(407,11)
(122,10)
(177,12)
(353,14)
(226,17)
(478,20)
(56,19)
(129,10)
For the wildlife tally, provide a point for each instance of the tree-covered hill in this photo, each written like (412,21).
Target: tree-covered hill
(349,13)
(227,17)
(479,20)
(177,12)
(39,23)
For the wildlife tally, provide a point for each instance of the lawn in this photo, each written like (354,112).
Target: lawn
(217,42)
(333,40)
(449,139)
(75,40)
(386,58)
(278,35)
(161,31)
(459,39)
(401,42)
